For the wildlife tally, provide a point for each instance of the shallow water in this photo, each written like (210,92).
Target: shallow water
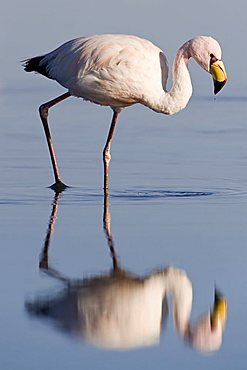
(177,197)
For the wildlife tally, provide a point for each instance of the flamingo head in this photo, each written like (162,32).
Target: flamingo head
(206,336)
(207,53)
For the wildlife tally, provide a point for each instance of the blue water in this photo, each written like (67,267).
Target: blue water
(177,197)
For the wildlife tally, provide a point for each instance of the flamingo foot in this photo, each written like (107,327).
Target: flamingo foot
(58,186)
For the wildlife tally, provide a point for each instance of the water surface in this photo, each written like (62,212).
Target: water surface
(177,197)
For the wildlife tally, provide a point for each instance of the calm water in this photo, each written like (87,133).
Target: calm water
(177,197)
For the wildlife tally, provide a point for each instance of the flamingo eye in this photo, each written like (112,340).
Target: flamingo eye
(213,58)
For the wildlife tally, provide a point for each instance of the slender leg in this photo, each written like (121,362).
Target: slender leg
(43,111)
(107,149)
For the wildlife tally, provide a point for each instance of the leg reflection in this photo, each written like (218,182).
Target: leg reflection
(43,264)
(107,229)
(44,260)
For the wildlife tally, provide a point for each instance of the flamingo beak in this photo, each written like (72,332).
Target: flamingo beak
(218,72)
(218,314)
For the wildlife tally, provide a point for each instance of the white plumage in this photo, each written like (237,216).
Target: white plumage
(113,70)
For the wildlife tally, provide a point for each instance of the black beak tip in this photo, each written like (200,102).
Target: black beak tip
(218,86)
(217,294)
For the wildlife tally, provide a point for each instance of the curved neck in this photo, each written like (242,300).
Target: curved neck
(202,335)
(170,102)
(181,90)
(180,288)
(175,282)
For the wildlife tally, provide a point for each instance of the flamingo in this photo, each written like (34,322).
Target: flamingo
(119,71)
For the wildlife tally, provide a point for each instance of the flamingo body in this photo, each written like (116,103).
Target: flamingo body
(113,70)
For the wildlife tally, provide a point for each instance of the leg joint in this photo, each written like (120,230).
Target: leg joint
(106,156)
(43,111)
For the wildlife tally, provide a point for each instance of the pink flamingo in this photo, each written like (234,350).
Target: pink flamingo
(121,70)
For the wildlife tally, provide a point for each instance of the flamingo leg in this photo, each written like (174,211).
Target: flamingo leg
(58,186)
(107,149)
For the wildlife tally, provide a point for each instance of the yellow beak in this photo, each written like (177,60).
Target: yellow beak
(218,314)
(218,72)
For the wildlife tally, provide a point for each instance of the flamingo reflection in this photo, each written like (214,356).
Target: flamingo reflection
(121,310)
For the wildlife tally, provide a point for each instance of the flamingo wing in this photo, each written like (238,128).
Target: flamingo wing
(106,69)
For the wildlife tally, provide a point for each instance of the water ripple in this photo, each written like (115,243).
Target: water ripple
(158,193)
(78,195)
(217,194)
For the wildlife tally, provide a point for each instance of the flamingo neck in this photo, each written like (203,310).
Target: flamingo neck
(170,102)
(179,286)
